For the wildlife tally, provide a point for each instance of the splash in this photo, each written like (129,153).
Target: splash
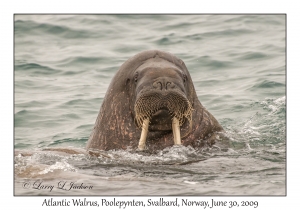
(264,129)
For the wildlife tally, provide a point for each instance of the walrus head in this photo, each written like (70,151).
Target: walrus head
(151,97)
(161,103)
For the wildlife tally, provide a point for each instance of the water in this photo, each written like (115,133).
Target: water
(64,64)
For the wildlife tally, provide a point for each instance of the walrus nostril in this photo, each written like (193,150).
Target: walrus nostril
(158,85)
(170,85)
(162,84)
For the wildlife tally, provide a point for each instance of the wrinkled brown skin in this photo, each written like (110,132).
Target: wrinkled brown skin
(115,127)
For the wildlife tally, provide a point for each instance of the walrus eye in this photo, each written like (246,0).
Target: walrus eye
(136,77)
(184,77)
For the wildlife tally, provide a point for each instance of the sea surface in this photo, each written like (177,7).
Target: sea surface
(63,65)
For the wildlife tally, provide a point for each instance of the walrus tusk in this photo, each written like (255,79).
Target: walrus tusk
(176,130)
(144,133)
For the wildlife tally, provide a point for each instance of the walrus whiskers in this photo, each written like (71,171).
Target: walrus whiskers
(177,104)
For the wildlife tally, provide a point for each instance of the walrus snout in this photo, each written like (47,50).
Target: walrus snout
(161,109)
(158,103)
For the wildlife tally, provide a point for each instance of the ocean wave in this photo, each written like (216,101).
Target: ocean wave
(36,68)
(253,56)
(267,84)
(23,27)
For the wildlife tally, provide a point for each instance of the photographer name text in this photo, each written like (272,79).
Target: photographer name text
(61,185)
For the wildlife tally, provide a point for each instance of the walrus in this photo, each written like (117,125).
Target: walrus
(151,104)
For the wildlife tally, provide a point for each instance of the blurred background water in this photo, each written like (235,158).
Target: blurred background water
(64,64)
